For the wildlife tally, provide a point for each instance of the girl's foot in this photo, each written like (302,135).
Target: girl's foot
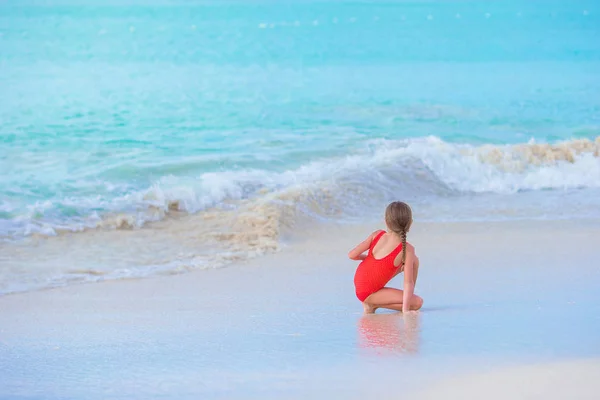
(369,309)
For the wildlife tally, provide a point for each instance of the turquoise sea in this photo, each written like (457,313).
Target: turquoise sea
(124,115)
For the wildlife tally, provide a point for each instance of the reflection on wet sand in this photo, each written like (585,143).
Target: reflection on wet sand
(389,333)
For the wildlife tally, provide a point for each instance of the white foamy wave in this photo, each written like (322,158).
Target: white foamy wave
(512,168)
(410,169)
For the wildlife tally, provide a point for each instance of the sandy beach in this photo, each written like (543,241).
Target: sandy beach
(564,380)
(504,302)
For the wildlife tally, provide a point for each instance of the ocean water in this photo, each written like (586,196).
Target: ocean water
(195,133)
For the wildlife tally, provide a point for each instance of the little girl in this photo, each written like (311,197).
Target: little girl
(389,254)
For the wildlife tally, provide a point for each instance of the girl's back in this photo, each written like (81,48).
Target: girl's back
(385,246)
(379,266)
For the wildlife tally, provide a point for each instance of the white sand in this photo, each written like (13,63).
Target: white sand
(288,325)
(577,380)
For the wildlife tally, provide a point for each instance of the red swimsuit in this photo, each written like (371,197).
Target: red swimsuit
(372,273)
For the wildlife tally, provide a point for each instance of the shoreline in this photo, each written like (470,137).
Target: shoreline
(288,238)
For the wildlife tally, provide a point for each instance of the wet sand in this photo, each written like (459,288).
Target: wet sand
(498,296)
(576,379)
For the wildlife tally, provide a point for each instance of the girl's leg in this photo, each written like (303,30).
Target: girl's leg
(390,298)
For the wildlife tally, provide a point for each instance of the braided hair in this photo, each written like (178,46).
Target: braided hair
(398,217)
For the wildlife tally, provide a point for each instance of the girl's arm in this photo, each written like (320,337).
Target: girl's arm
(409,279)
(357,252)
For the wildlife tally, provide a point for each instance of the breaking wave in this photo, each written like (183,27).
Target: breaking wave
(409,169)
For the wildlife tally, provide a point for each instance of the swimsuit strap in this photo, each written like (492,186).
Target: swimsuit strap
(393,253)
(375,240)
(396,251)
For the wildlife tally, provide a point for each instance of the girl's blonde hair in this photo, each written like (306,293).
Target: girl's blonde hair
(398,218)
